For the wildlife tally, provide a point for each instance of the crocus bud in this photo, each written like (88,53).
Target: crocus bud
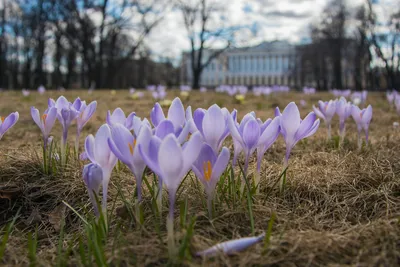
(93,178)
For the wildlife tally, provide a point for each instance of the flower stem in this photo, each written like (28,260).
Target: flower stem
(359,141)
(170,226)
(77,144)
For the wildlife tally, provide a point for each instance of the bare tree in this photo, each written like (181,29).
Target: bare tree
(198,16)
(385,39)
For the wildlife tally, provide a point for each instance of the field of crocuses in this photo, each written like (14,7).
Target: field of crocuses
(232,177)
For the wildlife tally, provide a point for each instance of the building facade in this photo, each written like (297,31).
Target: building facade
(268,63)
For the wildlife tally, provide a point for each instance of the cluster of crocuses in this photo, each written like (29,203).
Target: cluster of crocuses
(232,90)
(173,144)
(359,98)
(309,90)
(158,92)
(362,117)
(340,93)
(66,113)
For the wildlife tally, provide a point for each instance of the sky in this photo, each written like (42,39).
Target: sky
(269,19)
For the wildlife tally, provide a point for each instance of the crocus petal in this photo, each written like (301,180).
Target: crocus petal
(270,134)
(9,122)
(290,121)
(171,166)
(220,165)
(61,103)
(198,117)
(123,142)
(50,120)
(319,113)
(305,126)
(214,126)
(36,118)
(157,115)
(129,121)
(176,113)
(101,149)
(88,113)
(234,131)
(251,134)
(313,129)
(191,151)
(231,246)
(183,135)
(89,148)
(206,154)
(164,128)
(366,118)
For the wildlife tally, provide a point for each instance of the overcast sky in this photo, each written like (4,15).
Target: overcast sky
(273,19)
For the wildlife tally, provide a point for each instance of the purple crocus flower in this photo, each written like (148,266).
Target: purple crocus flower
(213,125)
(203,89)
(93,178)
(97,151)
(249,135)
(326,111)
(171,169)
(176,114)
(8,122)
(208,168)
(131,91)
(125,147)
(294,129)
(362,118)
(25,92)
(66,113)
(231,246)
(118,116)
(85,113)
(41,89)
(45,122)
(343,110)
(397,104)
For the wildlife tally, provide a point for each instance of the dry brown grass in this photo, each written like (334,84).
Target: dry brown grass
(341,206)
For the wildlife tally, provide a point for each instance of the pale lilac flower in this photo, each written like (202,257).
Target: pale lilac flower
(249,135)
(213,125)
(343,110)
(326,111)
(208,168)
(125,147)
(171,162)
(8,122)
(294,129)
(203,89)
(41,89)
(176,114)
(85,113)
(232,246)
(132,91)
(45,122)
(93,178)
(362,118)
(25,92)
(303,103)
(98,152)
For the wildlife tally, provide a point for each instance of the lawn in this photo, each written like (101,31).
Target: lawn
(340,207)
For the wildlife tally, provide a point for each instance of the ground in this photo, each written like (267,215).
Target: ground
(341,206)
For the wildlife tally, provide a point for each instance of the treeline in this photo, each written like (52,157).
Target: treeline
(358,45)
(80,43)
